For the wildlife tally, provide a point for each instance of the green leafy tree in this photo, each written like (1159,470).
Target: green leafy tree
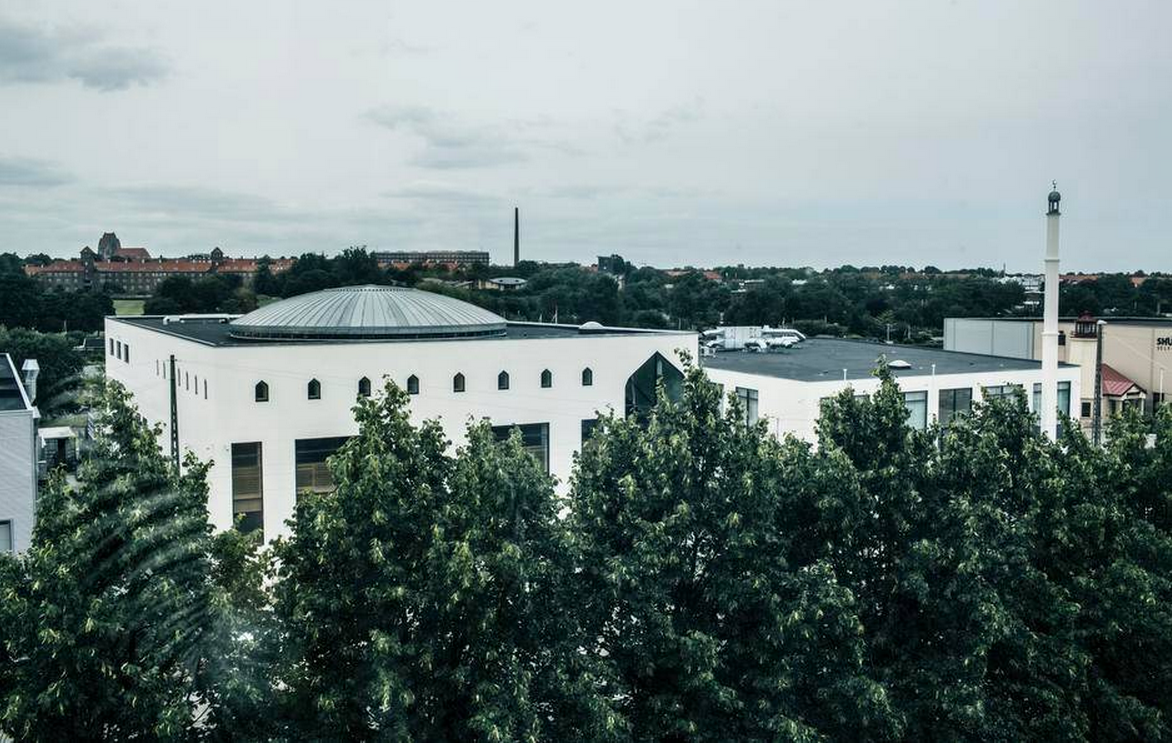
(710,631)
(426,597)
(104,618)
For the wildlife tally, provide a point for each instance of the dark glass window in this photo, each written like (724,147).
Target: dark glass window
(589,425)
(547,378)
(126,352)
(953,403)
(502,381)
(534,437)
(262,392)
(313,390)
(748,399)
(364,387)
(311,455)
(587,377)
(248,485)
(413,385)
(458,383)
(111,346)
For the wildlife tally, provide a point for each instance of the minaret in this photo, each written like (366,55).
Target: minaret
(1049,412)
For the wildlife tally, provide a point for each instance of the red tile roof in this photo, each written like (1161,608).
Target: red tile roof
(1116,384)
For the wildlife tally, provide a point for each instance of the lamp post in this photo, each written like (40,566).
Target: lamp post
(1097,412)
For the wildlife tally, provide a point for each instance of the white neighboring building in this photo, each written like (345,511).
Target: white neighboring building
(268,396)
(18,460)
(785,388)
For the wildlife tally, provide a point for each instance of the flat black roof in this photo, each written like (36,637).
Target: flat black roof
(10,393)
(1068,318)
(823,359)
(217,333)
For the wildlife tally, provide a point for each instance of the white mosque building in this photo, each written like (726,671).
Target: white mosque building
(267,396)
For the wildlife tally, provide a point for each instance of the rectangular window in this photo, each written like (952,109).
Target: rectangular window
(156,367)
(1086,408)
(1001,390)
(917,409)
(111,346)
(126,352)
(588,426)
(118,346)
(748,399)
(534,437)
(205,388)
(953,403)
(248,485)
(1063,402)
(311,455)
(6,536)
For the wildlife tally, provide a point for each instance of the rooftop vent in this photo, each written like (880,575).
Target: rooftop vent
(591,327)
(898,364)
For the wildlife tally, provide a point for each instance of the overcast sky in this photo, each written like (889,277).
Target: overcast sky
(765,133)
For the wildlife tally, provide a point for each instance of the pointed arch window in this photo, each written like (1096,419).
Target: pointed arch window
(547,378)
(458,383)
(364,387)
(587,377)
(502,381)
(413,385)
(313,390)
(261,392)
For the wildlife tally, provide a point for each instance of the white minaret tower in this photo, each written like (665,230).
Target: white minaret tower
(1049,412)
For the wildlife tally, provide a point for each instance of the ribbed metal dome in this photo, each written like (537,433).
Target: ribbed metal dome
(367,312)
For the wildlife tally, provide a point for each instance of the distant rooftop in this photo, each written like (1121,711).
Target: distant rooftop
(823,360)
(1116,319)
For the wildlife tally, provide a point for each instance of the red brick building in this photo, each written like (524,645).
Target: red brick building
(134,271)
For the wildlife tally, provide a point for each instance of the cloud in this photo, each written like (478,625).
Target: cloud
(25,171)
(37,55)
(443,194)
(451,144)
(659,127)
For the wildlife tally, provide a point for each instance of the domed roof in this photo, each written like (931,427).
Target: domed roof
(367,312)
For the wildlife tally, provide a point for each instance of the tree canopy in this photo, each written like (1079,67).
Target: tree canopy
(698,579)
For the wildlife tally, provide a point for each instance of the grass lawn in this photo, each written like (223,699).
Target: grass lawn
(128,306)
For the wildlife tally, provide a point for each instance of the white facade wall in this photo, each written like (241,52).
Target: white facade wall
(18,466)
(792,406)
(208,427)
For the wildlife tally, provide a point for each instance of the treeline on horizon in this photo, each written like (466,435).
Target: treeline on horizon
(699,580)
(870,301)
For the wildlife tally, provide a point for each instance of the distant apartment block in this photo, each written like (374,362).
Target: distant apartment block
(449,258)
(134,271)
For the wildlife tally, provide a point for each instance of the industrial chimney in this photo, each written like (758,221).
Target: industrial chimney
(1049,402)
(516,236)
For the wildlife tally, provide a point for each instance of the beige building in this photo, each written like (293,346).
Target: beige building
(1137,354)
